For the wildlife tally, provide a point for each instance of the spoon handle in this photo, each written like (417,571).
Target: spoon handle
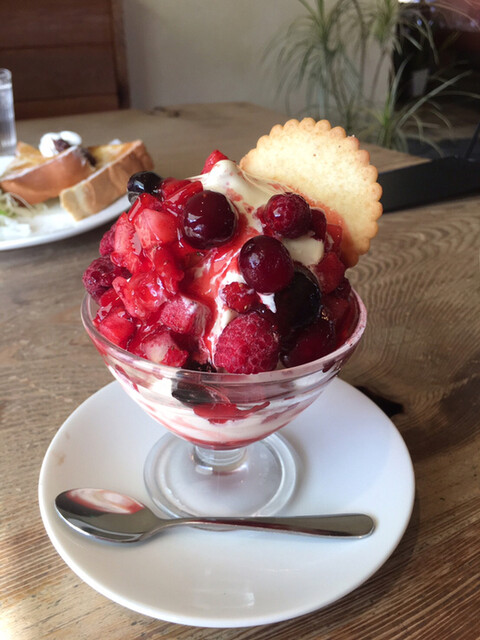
(349,525)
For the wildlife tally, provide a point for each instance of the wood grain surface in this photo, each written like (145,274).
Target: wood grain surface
(419,357)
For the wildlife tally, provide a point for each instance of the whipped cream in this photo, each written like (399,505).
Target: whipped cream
(247,193)
(47,142)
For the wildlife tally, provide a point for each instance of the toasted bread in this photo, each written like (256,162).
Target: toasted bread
(35,178)
(115,164)
(330,170)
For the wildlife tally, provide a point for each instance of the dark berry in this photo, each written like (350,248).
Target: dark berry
(298,304)
(265,264)
(209,220)
(312,343)
(287,214)
(143,182)
(191,393)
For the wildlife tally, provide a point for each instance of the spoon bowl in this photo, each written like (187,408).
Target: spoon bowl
(112,516)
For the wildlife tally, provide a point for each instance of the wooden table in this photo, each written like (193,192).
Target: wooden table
(420,353)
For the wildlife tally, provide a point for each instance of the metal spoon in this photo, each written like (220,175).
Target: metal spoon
(108,515)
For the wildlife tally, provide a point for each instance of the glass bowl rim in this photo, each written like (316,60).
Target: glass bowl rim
(166,371)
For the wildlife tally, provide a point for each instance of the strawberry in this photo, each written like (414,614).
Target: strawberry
(142,295)
(126,247)
(248,344)
(170,186)
(330,272)
(109,299)
(212,160)
(166,268)
(333,238)
(154,228)
(144,201)
(175,202)
(160,347)
(116,326)
(184,315)
(239,297)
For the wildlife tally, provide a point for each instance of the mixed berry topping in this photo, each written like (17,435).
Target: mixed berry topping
(194,276)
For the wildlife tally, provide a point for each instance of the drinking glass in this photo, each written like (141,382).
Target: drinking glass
(8,134)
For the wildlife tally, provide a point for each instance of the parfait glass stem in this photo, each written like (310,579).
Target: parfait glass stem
(218,460)
(184,479)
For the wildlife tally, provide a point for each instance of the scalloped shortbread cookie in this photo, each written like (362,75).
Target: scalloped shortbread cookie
(329,170)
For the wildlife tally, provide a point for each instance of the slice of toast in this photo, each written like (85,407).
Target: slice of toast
(34,178)
(330,170)
(115,164)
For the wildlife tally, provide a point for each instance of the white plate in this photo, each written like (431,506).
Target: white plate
(351,458)
(56,224)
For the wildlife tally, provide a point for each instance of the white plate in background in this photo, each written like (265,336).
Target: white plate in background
(57,224)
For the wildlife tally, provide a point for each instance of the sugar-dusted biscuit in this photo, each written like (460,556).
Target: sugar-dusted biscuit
(330,170)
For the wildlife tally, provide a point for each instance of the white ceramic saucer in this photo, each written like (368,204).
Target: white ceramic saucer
(351,458)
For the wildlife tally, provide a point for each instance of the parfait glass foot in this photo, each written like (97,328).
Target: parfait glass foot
(184,479)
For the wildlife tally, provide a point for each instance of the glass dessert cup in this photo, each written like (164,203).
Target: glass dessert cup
(222,455)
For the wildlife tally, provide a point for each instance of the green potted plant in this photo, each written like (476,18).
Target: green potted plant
(340,52)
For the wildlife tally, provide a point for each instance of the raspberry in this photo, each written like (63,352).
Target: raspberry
(239,297)
(155,227)
(99,276)
(107,242)
(288,214)
(249,344)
